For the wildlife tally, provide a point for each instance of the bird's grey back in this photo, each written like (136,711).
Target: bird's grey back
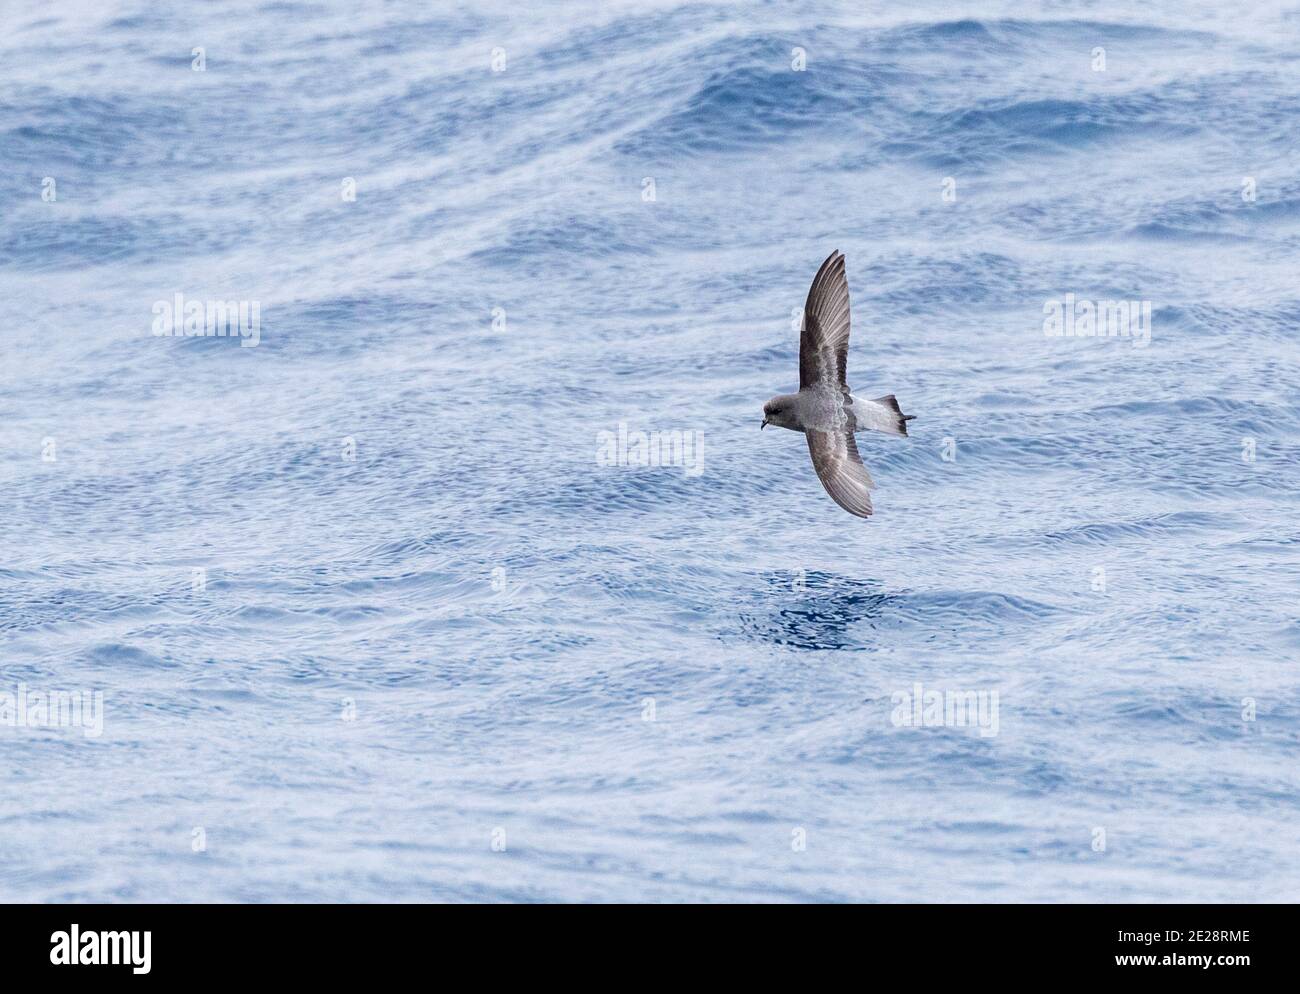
(824,407)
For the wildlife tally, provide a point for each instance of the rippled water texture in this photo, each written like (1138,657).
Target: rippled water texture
(371,619)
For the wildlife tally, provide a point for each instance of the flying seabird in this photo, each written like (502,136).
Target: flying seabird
(823,409)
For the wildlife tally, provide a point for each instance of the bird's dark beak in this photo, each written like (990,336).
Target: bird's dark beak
(763,425)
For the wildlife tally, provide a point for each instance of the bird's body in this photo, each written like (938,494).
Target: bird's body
(824,410)
(831,410)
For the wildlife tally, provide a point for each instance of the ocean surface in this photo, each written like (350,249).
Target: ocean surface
(369,612)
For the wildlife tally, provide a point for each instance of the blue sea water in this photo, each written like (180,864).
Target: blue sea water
(371,619)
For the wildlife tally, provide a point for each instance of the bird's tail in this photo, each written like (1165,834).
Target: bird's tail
(899,426)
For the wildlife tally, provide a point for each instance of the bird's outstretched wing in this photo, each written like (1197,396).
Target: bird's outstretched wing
(824,343)
(839,467)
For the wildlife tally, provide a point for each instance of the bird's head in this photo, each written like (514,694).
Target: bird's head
(779,411)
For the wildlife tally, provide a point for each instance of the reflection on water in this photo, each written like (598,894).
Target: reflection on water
(817,610)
